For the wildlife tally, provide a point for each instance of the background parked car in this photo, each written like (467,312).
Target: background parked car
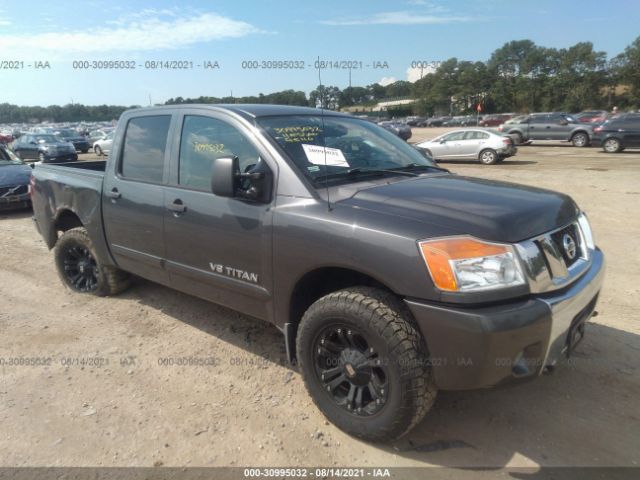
(69,135)
(14,181)
(414,121)
(592,116)
(470,144)
(46,148)
(494,120)
(400,129)
(100,134)
(6,137)
(618,133)
(434,121)
(103,146)
(549,126)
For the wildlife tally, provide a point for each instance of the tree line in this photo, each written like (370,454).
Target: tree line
(520,76)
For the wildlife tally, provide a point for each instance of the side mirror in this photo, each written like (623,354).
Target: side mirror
(224,176)
(227,180)
(444,140)
(564,122)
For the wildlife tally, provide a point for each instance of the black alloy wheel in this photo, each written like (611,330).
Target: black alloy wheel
(350,370)
(80,269)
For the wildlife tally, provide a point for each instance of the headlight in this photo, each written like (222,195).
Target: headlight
(587,233)
(465,264)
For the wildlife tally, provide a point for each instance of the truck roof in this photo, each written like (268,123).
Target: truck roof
(247,110)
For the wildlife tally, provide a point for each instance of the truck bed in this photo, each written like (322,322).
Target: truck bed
(94,165)
(68,192)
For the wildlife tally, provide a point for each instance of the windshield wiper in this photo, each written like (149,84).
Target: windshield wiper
(414,166)
(357,171)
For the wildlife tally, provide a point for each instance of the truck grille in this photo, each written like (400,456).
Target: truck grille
(562,249)
(559,238)
(15,190)
(555,259)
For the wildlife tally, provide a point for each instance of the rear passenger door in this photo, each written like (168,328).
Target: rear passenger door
(218,248)
(472,143)
(133,196)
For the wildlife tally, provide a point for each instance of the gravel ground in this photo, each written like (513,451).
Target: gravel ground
(103,390)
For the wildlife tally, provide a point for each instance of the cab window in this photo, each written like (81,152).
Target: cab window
(476,135)
(145,142)
(203,140)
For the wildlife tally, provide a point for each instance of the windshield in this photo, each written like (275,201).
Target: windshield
(7,157)
(46,138)
(351,145)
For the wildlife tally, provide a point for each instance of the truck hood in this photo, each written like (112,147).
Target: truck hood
(487,209)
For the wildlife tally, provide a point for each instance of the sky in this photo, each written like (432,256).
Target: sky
(382,38)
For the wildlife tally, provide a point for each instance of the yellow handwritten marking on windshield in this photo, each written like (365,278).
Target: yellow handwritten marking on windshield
(298,134)
(209,147)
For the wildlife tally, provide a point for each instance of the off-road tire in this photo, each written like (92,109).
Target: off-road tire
(110,280)
(388,324)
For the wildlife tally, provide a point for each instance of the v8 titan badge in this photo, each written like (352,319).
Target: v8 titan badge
(234,272)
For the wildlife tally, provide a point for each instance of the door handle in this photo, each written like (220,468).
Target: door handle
(177,206)
(548,126)
(114,193)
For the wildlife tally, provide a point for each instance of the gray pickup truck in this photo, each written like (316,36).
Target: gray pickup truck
(389,277)
(550,126)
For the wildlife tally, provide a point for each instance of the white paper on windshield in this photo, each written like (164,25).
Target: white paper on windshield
(321,155)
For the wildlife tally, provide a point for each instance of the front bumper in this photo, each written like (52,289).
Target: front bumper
(15,201)
(487,346)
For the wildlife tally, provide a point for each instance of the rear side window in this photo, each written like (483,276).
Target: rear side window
(476,136)
(144,146)
(203,140)
(631,122)
(539,119)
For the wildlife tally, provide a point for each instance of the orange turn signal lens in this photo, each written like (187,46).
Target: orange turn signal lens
(438,254)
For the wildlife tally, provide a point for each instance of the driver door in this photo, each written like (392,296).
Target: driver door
(452,146)
(217,248)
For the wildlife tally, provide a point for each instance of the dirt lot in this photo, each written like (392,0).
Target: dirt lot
(109,395)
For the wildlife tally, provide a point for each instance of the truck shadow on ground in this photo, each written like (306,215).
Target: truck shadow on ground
(16,214)
(585,413)
(255,336)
